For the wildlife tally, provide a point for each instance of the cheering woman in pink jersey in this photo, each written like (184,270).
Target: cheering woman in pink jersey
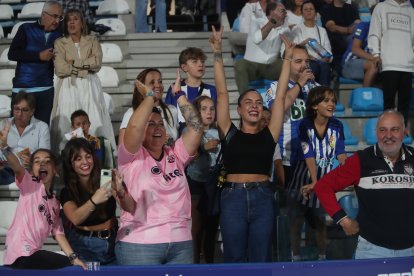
(37,214)
(155,200)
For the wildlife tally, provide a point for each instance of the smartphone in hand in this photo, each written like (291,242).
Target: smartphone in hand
(106,178)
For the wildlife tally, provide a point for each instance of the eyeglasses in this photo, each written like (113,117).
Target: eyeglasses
(23,110)
(55,16)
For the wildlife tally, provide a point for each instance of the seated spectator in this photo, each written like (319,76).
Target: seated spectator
(294,12)
(307,30)
(6,173)
(27,134)
(262,57)
(37,213)
(192,62)
(156,202)
(88,208)
(358,63)
(101,145)
(152,78)
(340,19)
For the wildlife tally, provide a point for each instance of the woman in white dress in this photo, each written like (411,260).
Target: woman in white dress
(78,57)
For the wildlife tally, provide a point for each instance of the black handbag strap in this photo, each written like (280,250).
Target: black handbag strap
(201,89)
(225,141)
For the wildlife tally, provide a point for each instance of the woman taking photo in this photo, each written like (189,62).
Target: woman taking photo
(78,57)
(247,202)
(152,78)
(89,210)
(156,204)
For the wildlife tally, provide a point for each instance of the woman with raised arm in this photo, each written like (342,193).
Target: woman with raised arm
(247,202)
(155,200)
(37,213)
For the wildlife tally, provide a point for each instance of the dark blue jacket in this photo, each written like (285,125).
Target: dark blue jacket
(30,39)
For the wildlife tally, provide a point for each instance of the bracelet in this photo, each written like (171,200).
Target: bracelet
(300,86)
(179,94)
(150,94)
(118,194)
(218,55)
(94,204)
(6,150)
(73,257)
(273,21)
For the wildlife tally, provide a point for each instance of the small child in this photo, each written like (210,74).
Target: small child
(192,62)
(204,227)
(103,149)
(322,140)
(37,214)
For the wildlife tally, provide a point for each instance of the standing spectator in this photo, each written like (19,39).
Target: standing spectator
(301,81)
(192,62)
(322,140)
(32,48)
(358,63)
(88,208)
(27,134)
(78,58)
(303,33)
(340,19)
(37,213)
(141,24)
(390,40)
(262,57)
(155,200)
(152,78)
(382,176)
(247,200)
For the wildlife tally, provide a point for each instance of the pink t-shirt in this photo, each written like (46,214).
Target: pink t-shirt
(161,193)
(36,217)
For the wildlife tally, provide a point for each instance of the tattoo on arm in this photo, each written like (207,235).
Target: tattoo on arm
(218,56)
(192,118)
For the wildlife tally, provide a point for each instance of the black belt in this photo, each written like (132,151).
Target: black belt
(246,185)
(103,234)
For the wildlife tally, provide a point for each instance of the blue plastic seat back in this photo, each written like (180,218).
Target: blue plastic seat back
(349,138)
(368,100)
(369,131)
(236,25)
(349,204)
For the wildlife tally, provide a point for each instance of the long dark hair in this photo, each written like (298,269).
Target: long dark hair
(71,178)
(240,99)
(137,98)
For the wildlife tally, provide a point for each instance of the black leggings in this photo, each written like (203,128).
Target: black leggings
(41,259)
(393,82)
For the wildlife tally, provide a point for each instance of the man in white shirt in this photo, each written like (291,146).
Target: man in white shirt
(252,10)
(262,57)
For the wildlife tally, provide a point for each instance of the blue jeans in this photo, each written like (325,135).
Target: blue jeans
(322,72)
(141,25)
(246,223)
(367,250)
(153,254)
(92,248)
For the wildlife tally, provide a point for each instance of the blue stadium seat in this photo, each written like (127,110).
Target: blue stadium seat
(349,204)
(261,83)
(366,18)
(343,80)
(350,140)
(236,25)
(370,136)
(339,109)
(363,10)
(366,101)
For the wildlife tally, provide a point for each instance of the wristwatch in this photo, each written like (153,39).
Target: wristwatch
(73,257)
(150,93)
(273,21)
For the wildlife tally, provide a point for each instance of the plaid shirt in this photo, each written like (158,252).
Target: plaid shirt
(81,5)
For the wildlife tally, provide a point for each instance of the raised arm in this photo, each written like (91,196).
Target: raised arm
(223,111)
(12,160)
(276,121)
(192,137)
(135,131)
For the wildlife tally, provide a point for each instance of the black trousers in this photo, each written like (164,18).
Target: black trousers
(42,259)
(394,82)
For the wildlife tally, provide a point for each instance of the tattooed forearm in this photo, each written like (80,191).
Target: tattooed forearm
(192,117)
(218,57)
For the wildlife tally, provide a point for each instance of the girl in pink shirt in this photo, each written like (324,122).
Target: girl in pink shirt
(155,200)
(37,214)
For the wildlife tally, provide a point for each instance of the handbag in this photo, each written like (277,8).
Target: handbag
(209,204)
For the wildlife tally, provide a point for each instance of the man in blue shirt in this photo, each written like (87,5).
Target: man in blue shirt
(32,48)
